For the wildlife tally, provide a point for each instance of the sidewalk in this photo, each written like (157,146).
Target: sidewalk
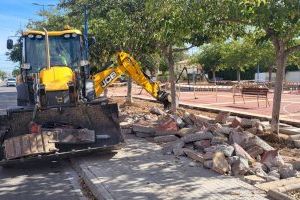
(141,171)
(290,110)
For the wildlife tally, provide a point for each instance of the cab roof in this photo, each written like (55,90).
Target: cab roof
(51,33)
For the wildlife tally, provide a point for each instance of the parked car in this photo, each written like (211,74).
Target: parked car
(11,82)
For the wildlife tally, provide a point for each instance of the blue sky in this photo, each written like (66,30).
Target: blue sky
(14,14)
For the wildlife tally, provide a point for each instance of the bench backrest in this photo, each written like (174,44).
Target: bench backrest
(254,90)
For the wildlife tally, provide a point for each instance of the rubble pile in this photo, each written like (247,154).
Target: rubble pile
(227,144)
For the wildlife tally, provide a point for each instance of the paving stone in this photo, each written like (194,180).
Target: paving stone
(157,111)
(254,151)
(170,146)
(168,127)
(143,128)
(226,149)
(253,179)
(236,122)
(202,144)
(208,155)
(272,159)
(252,130)
(197,156)
(200,120)
(186,118)
(287,171)
(219,140)
(222,117)
(143,135)
(165,138)
(220,163)
(256,141)
(246,123)
(197,136)
(185,131)
(290,130)
(239,151)
(126,130)
(240,167)
(239,137)
(208,164)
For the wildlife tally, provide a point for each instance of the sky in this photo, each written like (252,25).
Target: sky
(15,14)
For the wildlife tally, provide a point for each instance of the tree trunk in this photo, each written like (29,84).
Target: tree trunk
(214,75)
(270,73)
(170,60)
(280,64)
(238,74)
(129,91)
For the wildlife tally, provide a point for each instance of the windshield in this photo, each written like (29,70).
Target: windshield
(63,52)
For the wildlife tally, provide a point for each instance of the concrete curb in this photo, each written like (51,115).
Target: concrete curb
(217,110)
(91,180)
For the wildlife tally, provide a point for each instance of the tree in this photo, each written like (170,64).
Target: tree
(280,22)
(210,58)
(15,72)
(174,25)
(2,75)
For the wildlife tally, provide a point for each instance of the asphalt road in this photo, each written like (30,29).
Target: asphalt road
(39,180)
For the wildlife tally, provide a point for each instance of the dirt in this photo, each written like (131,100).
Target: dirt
(295,194)
(86,191)
(142,107)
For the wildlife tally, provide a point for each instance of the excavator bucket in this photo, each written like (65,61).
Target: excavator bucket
(60,132)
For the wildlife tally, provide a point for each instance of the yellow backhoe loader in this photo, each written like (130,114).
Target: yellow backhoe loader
(54,118)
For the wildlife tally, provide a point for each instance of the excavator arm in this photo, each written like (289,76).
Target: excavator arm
(128,65)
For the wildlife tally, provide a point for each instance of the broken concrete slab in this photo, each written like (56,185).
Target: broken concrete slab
(240,167)
(254,151)
(165,138)
(253,179)
(279,183)
(143,128)
(219,140)
(208,164)
(197,136)
(202,144)
(272,159)
(222,117)
(287,171)
(185,131)
(167,127)
(157,111)
(290,130)
(197,156)
(220,163)
(239,151)
(237,121)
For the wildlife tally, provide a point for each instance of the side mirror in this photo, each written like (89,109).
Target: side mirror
(9,44)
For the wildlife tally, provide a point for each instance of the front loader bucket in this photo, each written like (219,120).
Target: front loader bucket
(103,119)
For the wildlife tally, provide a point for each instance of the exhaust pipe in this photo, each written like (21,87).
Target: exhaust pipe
(47,49)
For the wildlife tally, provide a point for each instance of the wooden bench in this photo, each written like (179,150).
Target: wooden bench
(258,92)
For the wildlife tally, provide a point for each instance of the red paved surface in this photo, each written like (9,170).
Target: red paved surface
(290,107)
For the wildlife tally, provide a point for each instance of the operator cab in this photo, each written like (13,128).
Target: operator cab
(53,79)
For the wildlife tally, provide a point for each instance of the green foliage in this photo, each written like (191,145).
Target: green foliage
(210,57)
(15,72)
(2,74)
(15,54)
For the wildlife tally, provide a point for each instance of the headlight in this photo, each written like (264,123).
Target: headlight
(67,35)
(31,36)
(74,34)
(38,36)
